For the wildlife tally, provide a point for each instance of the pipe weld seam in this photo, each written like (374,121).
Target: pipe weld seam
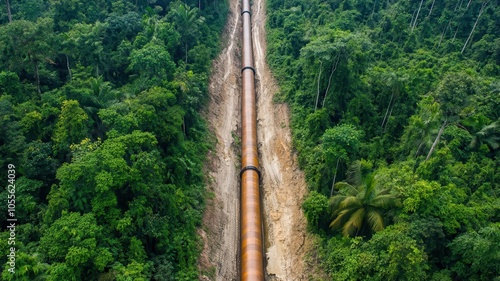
(250,13)
(248,67)
(250,168)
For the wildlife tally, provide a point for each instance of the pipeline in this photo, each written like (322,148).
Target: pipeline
(251,251)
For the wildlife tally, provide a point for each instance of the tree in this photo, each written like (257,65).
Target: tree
(418,134)
(71,127)
(361,211)
(390,254)
(337,52)
(84,42)
(396,85)
(152,61)
(38,162)
(12,137)
(485,3)
(340,143)
(484,133)
(29,267)
(476,254)
(187,22)
(27,46)
(9,15)
(75,241)
(68,12)
(315,206)
(416,17)
(453,94)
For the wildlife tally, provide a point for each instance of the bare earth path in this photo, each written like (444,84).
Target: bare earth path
(283,183)
(221,218)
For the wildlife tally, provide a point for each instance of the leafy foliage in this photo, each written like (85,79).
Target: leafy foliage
(410,90)
(99,108)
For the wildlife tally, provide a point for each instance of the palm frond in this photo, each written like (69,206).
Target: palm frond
(369,181)
(349,230)
(474,142)
(344,185)
(355,222)
(351,202)
(335,201)
(488,135)
(357,218)
(488,129)
(385,201)
(375,220)
(494,144)
(353,174)
(384,191)
(338,221)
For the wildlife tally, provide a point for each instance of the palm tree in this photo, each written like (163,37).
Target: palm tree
(489,135)
(362,211)
(187,23)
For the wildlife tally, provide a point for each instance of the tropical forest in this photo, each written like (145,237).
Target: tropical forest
(395,117)
(107,142)
(100,116)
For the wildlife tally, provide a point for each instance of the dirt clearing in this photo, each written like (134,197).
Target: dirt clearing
(283,183)
(284,186)
(219,259)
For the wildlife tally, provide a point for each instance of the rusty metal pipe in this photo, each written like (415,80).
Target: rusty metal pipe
(252,256)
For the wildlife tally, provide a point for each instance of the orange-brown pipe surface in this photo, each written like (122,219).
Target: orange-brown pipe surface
(252,257)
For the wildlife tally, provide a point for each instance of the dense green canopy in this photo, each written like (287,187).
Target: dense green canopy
(99,110)
(410,90)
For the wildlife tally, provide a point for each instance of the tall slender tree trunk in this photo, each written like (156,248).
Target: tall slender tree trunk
(475,24)
(461,2)
(444,32)
(9,15)
(334,177)
(412,17)
(418,149)
(319,78)
(468,4)
(184,125)
(69,69)
(387,111)
(456,31)
(37,75)
(390,113)
(186,50)
(436,140)
(334,68)
(416,18)
(373,10)
(432,6)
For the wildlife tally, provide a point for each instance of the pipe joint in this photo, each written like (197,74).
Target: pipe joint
(248,67)
(250,168)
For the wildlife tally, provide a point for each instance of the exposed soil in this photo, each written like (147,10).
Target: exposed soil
(283,183)
(219,259)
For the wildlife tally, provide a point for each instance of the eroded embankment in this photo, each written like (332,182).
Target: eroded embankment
(220,232)
(283,186)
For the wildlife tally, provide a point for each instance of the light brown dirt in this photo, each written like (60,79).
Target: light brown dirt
(219,259)
(284,186)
